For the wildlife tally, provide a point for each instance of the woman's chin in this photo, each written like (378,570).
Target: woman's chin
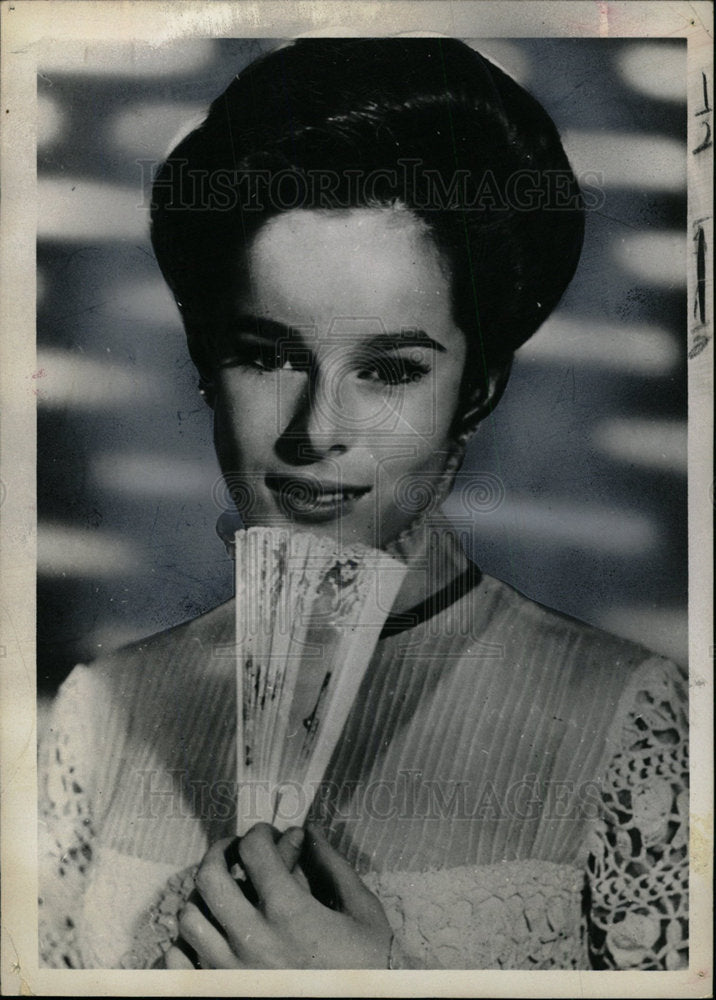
(337,525)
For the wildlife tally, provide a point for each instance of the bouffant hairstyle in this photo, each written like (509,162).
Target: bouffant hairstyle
(427,124)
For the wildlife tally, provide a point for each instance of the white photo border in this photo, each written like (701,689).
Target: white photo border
(25,24)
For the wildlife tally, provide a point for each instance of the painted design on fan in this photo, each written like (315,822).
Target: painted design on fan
(308,618)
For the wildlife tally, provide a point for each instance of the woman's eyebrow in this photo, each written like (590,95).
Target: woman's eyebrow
(262,326)
(271,329)
(404,338)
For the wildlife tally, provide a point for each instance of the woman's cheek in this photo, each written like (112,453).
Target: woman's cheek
(244,427)
(257,406)
(420,415)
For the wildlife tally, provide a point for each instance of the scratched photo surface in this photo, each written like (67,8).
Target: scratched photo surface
(574,492)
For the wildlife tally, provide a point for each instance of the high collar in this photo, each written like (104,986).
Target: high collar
(434,556)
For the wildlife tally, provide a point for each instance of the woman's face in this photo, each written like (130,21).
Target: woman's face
(340,378)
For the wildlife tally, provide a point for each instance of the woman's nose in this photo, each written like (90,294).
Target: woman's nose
(323,418)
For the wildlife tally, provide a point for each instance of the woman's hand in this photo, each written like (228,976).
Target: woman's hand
(288,928)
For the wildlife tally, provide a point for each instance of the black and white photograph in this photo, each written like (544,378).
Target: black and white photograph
(357,497)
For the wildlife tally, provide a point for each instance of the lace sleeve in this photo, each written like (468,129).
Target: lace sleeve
(65,823)
(399,959)
(638,865)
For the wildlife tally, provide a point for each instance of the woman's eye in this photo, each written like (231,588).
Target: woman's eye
(267,361)
(269,358)
(394,370)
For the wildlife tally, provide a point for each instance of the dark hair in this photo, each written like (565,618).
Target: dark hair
(428,123)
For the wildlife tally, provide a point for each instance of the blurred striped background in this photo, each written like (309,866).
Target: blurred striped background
(589,441)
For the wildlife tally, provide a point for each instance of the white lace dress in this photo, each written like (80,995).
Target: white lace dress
(511,784)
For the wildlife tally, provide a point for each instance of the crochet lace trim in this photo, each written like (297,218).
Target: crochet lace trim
(638,867)
(511,915)
(66,834)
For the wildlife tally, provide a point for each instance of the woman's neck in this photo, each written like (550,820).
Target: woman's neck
(434,556)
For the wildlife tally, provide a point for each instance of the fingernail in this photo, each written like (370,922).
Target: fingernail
(295,836)
(238,873)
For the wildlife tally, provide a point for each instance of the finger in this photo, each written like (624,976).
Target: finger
(219,890)
(289,846)
(300,878)
(260,856)
(232,904)
(351,894)
(211,947)
(176,959)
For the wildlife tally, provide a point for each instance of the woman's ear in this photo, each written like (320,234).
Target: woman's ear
(482,400)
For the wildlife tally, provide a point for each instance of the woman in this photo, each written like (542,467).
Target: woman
(358,237)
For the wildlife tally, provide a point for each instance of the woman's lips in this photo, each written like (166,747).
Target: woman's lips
(311,500)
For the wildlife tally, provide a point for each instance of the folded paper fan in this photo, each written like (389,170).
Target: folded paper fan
(307,622)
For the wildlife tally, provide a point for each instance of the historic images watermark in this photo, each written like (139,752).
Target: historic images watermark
(410,796)
(425,189)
